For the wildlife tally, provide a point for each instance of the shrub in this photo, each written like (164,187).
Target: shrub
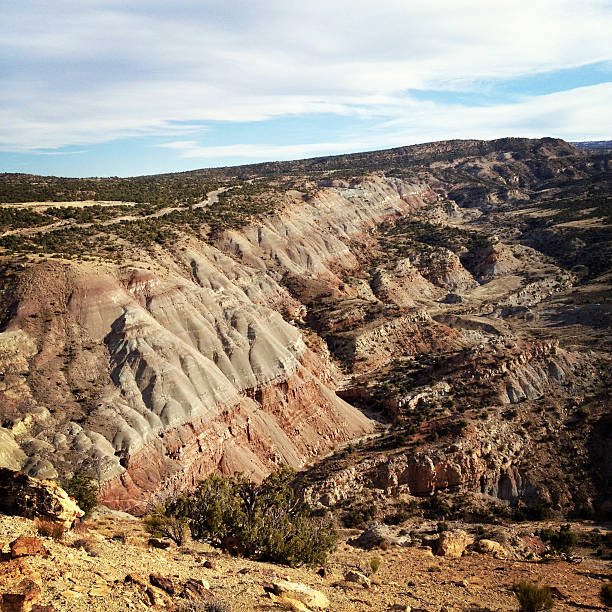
(262,522)
(84,488)
(533,598)
(606,594)
(168,519)
(50,529)
(375,564)
(563,541)
(358,516)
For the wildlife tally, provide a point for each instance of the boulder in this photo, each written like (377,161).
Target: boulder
(353,576)
(22,495)
(197,590)
(377,534)
(25,546)
(159,581)
(490,547)
(137,579)
(453,543)
(308,596)
(288,603)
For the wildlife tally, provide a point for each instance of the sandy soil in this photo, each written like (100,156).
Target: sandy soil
(76,580)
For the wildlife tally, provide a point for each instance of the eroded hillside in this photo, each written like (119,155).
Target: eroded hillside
(456,295)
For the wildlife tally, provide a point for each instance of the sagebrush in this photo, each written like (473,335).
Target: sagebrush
(532,597)
(264,521)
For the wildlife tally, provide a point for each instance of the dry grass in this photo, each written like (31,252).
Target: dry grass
(50,529)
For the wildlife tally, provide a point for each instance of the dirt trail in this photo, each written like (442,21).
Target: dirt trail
(211,198)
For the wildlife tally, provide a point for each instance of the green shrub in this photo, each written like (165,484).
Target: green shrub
(84,488)
(375,564)
(606,594)
(563,541)
(261,522)
(168,519)
(533,598)
(358,516)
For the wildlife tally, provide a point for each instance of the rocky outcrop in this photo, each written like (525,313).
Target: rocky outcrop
(453,543)
(443,268)
(382,340)
(484,461)
(493,260)
(22,495)
(402,284)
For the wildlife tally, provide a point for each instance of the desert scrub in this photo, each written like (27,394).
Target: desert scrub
(49,528)
(168,519)
(374,564)
(533,598)
(563,541)
(84,488)
(264,522)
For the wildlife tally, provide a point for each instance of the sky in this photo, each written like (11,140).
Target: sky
(123,88)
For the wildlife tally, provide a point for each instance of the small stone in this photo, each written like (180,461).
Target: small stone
(165,584)
(209,565)
(400,607)
(99,590)
(353,576)
(309,597)
(322,572)
(197,590)
(244,570)
(137,579)
(24,546)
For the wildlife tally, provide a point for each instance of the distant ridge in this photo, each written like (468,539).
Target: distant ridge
(599,146)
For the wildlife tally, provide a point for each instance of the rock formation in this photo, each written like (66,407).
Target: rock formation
(22,495)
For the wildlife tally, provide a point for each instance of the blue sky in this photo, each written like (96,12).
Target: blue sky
(113,87)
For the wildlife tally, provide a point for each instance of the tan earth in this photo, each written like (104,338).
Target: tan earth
(73,579)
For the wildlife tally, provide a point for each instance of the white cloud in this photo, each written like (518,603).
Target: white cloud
(559,114)
(78,73)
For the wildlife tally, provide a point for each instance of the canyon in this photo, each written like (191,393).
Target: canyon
(442,311)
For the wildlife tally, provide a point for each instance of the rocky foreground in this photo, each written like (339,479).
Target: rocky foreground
(111,563)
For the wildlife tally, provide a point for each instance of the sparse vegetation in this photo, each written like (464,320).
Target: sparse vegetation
(262,522)
(563,541)
(49,528)
(168,519)
(374,564)
(84,488)
(532,597)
